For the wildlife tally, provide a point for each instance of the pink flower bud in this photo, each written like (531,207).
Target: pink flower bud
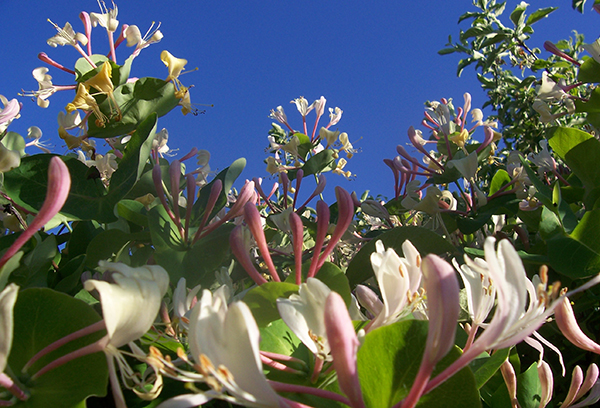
(565,319)
(344,345)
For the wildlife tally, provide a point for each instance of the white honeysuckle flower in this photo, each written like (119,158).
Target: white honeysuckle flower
(66,36)
(304,315)
(334,116)
(160,142)
(9,112)
(279,115)
(398,279)
(346,145)
(543,109)
(183,301)
(8,297)
(543,160)
(593,49)
(35,133)
(303,107)
(46,88)
(481,293)
(330,136)
(69,121)
(549,90)
(224,342)
(106,19)
(131,301)
(134,36)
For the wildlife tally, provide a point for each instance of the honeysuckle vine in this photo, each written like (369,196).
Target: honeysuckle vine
(124,263)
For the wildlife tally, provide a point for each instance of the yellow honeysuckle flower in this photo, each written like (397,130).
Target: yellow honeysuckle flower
(73,142)
(103,83)
(460,138)
(86,102)
(174,64)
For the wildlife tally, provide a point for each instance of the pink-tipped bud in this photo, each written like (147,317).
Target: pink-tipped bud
(565,319)
(254,222)
(547,382)
(298,240)
(238,241)
(510,379)
(59,184)
(489,136)
(344,346)
(368,299)
(590,381)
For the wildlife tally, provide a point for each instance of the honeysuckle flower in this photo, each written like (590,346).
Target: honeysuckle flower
(279,115)
(130,301)
(183,301)
(35,133)
(328,135)
(344,345)
(543,160)
(103,83)
(543,109)
(339,168)
(8,297)
(273,166)
(46,88)
(346,145)
(398,280)
(521,307)
(481,294)
(224,342)
(443,305)
(134,37)
(106,19)
(9,159)
(549,90)
(175,66)
(59,183)
(593,49)
(66,36)
(580,385)
(304,314)
(302,105)
(69,121)
(86,102)
(334,116)
(460,138)
(547,382)
(566,322)
(9,112)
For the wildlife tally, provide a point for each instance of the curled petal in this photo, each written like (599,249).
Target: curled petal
(547,381)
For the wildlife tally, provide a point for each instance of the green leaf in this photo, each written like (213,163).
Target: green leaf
(504,204)
(578,255)
(262,300)
(133,211)
(424,240)
(500,179)
(589,72)
(485,367)
(41,317)
(196,263)
(539,14)
(137,101)
(388,362)
(83,69)
(319,163)
(518,14)
(529,388)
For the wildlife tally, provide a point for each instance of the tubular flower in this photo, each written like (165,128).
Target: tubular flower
(304,314)
(9,112)
(86,102)
(175,66)
(66,36)
(107,19)
(103,83)
(224,342)
(134,37)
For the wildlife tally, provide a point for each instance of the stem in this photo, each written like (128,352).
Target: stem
(61,342)
(279,366)
(302,389)
(9,384)
(317,369)
(99,345)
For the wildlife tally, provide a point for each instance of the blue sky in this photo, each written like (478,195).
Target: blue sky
(377,61)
